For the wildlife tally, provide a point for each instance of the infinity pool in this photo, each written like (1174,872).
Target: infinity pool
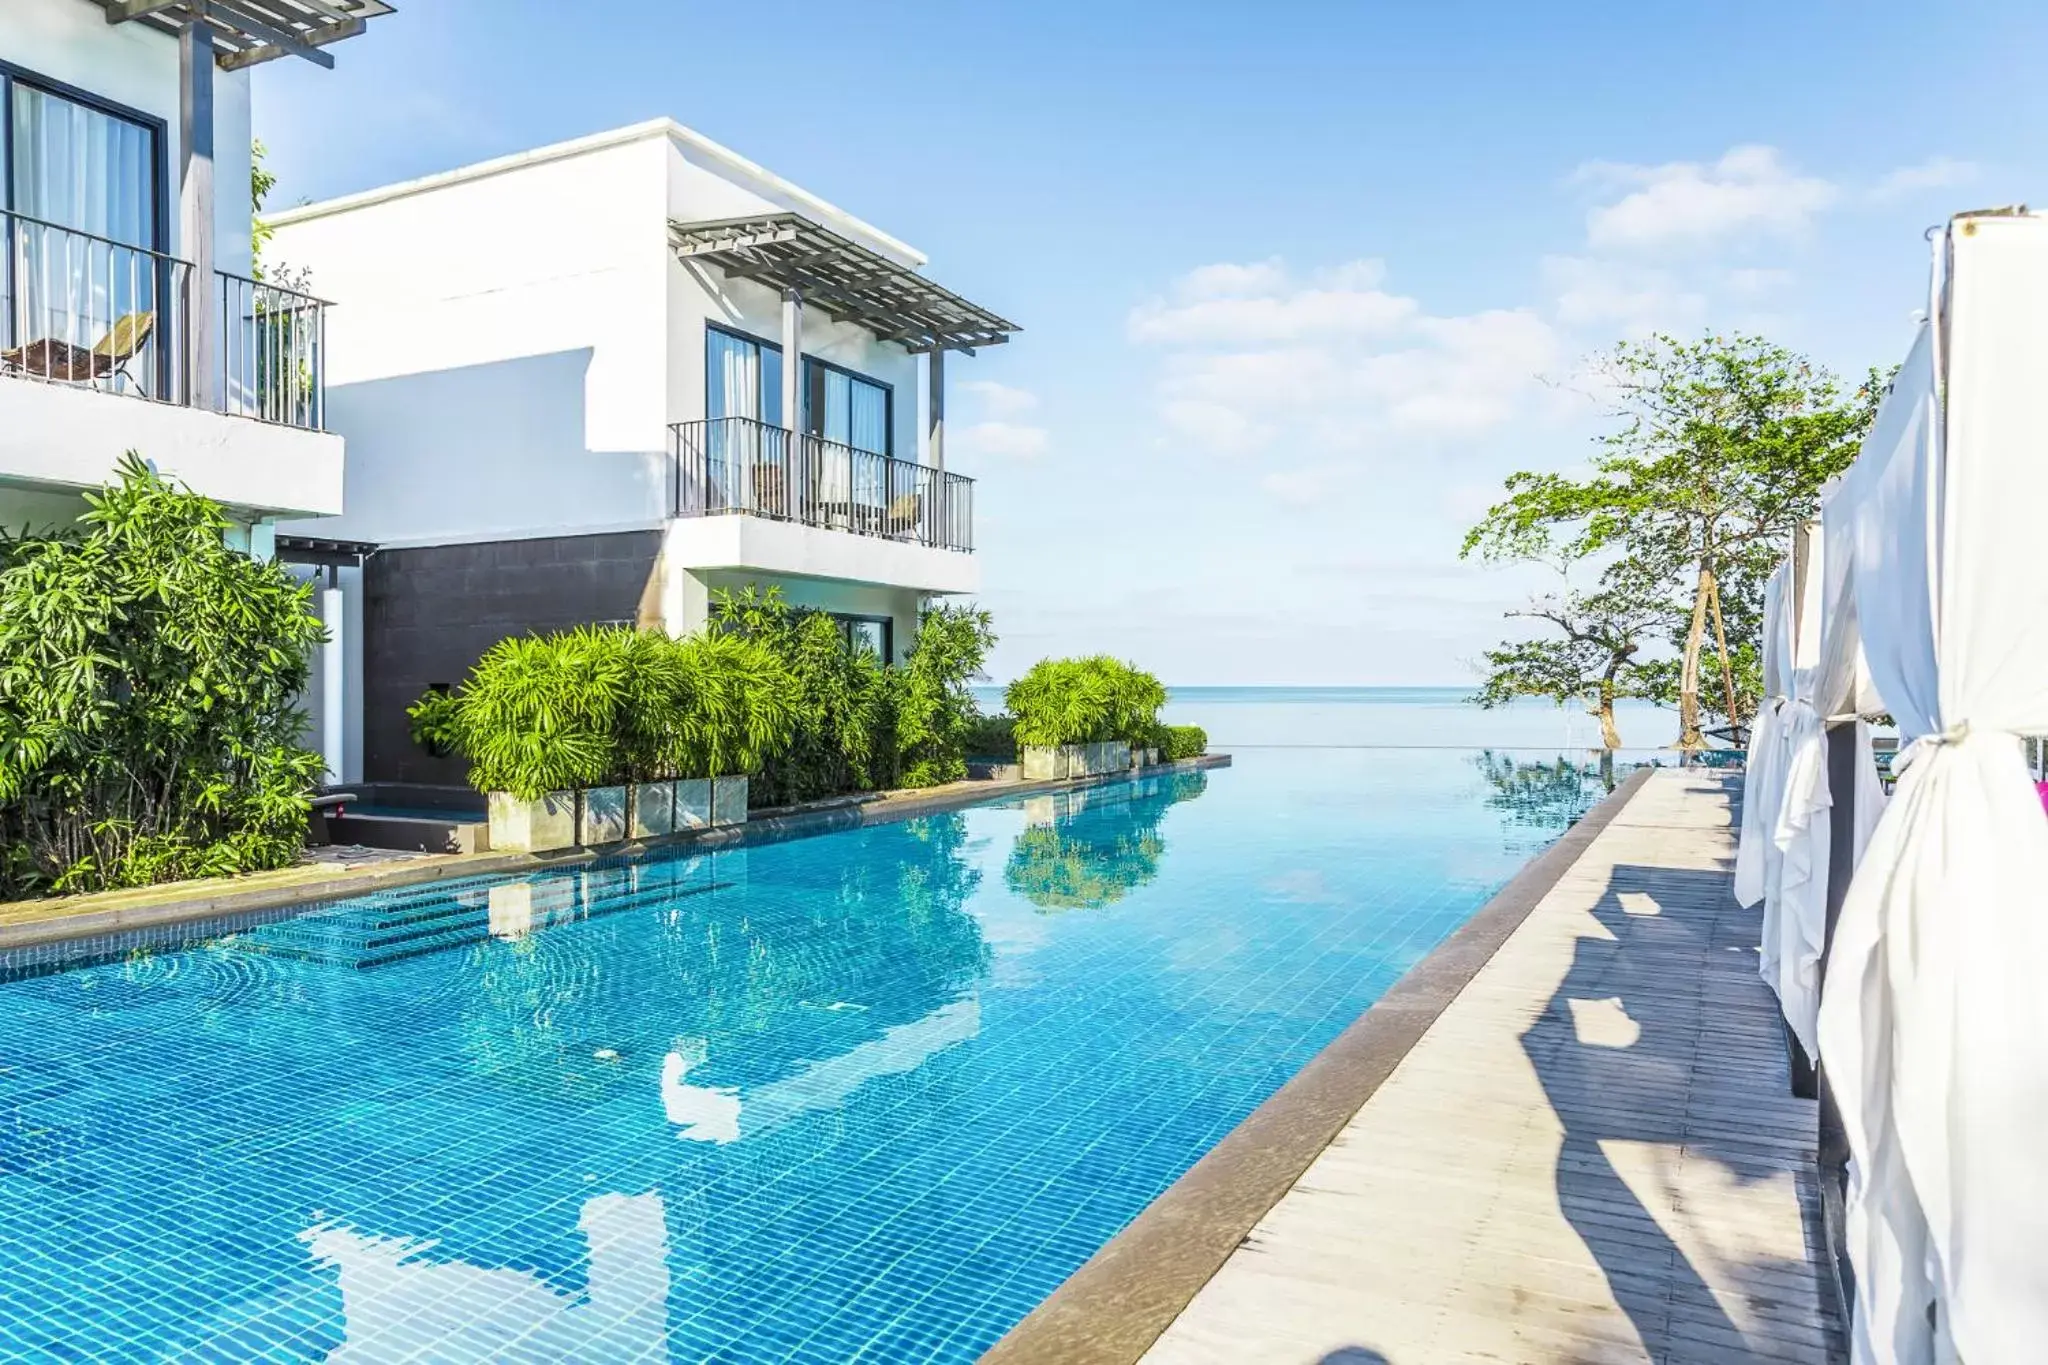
(867,1095)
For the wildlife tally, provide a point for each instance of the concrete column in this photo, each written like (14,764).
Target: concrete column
(334,681)
(935,407)
(195,204)
(792,360)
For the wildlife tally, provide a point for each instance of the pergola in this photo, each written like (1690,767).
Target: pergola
(245,32)
(810,264)
(227,35)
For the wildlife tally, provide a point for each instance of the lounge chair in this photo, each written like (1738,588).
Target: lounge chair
(53,359)
(905,516)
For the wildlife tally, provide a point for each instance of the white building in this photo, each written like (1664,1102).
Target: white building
(563,380)
(129,317)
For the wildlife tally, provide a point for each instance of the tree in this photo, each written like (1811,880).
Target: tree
(1596,658)
(1723,447)
(149,698)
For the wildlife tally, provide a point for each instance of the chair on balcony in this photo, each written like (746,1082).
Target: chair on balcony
(906,516)
(60,360)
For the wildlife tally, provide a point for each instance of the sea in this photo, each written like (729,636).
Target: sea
(1393,718)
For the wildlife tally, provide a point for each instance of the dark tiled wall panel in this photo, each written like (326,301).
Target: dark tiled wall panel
(430,613)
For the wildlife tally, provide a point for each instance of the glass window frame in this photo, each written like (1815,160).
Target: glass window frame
(766,348)
(159,138)
(813,397)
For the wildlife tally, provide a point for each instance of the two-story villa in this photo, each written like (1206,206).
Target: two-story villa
(601,381)
(131,318)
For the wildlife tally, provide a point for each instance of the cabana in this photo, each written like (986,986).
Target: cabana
(1932,1025)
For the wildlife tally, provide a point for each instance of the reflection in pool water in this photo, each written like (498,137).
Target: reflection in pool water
(803,1100)
(1090,848)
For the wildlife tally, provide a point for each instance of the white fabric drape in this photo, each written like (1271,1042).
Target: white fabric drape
(1934,1023)
(79,169)
(1765,765)
(1801,829)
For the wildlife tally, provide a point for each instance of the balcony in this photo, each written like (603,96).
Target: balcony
(741,466)
(86,312)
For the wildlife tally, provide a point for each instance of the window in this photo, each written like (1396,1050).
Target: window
(844,407)
(742,376)
(869,634)
(81,186)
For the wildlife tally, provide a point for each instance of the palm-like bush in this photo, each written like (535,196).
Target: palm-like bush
(1084,701)
(540,713)
(603,704)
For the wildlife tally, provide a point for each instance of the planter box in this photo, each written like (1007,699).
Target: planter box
(533,826)
(728,801)
(1075,760)
(651,810)
(604,816)
(693,804)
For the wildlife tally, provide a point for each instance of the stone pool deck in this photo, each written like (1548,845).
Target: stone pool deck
(1566,1138)
(29,924)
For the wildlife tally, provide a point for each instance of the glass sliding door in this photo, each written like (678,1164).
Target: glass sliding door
(747,465)
(851,414)
(88,296)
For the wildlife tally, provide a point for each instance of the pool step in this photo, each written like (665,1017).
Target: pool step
(432,921)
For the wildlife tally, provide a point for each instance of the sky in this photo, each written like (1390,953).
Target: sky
(1300,283)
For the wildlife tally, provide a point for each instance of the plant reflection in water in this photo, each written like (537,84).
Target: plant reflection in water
(1087,849)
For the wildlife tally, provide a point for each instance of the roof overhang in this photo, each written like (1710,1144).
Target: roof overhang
(250,31)
(840,277)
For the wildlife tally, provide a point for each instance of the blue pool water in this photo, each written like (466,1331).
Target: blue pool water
(870,1095)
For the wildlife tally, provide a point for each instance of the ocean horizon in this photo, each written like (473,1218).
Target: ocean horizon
(1287,715)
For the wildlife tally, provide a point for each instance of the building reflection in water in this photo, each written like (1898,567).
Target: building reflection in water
(397,1300)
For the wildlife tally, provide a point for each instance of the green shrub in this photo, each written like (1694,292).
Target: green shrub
(935,713)
(1084,701)
(605,704)
(992,737)
(1182,741)
(541,713)
(432,721)
(149,698)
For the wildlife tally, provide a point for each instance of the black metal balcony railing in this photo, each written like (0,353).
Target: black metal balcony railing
(726,465)
(81,309)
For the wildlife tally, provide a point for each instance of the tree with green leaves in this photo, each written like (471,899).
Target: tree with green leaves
(1595,657)
(1722,448)
(149,698)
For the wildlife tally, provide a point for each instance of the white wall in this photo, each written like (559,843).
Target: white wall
(699,190)
(497,348)
(70,41)
(57,437)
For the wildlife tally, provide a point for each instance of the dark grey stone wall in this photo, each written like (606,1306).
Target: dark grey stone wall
(430,613)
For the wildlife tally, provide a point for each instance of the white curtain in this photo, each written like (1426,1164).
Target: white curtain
(1801,827)
(1934,1022)
(80,169)
(1760,774)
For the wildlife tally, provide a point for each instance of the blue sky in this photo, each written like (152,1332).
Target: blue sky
(1301,282)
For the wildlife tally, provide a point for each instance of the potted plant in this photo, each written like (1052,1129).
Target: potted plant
(536,722)
(1079,717)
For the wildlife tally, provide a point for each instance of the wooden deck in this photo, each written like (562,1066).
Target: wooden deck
(1591,1156)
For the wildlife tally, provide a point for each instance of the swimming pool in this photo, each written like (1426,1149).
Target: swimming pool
(867,1095)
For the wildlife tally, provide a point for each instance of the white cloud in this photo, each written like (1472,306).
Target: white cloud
(1231,304)
(1935,173)
(1749,192)
(1599,292)
(999,440)
(998,400)
(993,430)
(1332,364)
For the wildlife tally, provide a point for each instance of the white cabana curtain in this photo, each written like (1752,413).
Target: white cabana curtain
(1798,900)
(1755,855)
(1934,1022)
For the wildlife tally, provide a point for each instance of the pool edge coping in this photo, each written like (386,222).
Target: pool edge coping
(1120,1301)
(195,906)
